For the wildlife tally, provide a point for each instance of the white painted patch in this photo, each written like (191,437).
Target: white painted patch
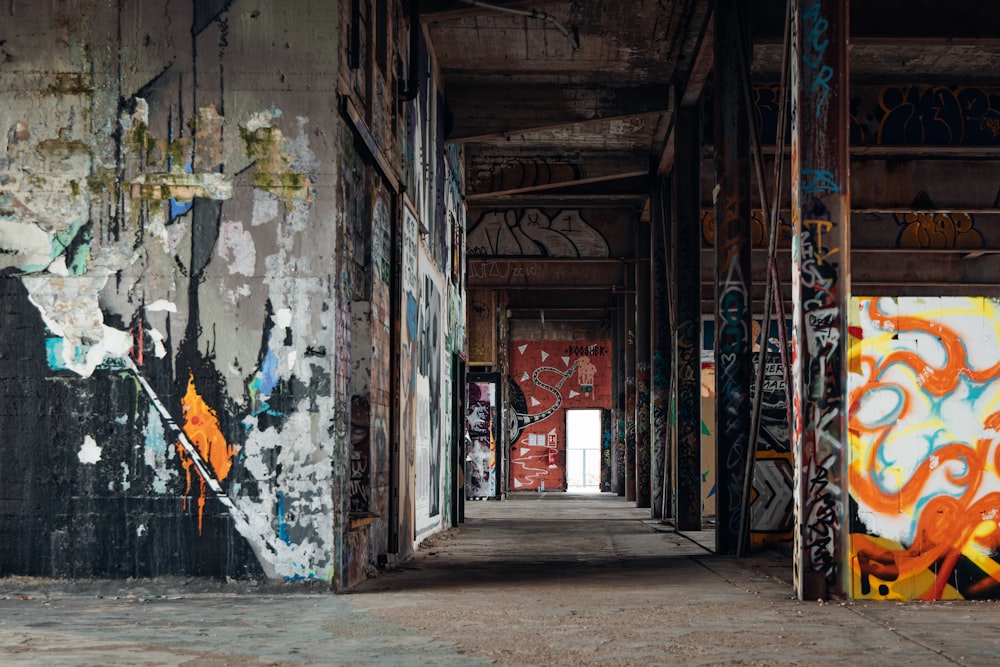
(265,208)
(566,361)
(292,358)
(525,377)
(236,246)
(261,119)
(283,318)
(524,450)
(159,349)
(141,530)
(535,402)
(573,394)
(522,348)
(162,305)
(90,452)
(69,307)
(126,477)
(58,266)
(25,247)
(545,355)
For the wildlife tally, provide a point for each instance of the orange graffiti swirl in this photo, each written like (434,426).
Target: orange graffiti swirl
(946,524)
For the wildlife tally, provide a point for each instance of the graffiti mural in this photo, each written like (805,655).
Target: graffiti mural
(532,232)
(430,412)
(924,390)
(547,377)
(937,230)
(771,498)
(481,444)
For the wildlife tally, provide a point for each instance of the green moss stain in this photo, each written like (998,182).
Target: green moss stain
(62,148)
(272,169)
(70,83)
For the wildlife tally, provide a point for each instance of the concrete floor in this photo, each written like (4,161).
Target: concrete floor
(541,579)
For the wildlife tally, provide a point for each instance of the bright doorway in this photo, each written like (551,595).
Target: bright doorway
(583,451)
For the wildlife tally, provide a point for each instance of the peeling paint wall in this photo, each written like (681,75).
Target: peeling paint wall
(179,266)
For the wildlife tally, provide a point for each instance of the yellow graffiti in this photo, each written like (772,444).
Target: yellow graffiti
(938,230)
(924,455)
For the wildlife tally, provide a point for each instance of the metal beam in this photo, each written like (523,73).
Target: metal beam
(821,261)
(732,247)
(500,111)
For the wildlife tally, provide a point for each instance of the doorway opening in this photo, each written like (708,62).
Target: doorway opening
(583,451)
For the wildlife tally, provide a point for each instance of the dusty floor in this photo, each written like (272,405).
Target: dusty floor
(541,579)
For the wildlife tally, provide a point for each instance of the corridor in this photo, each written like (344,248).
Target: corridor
(545,579)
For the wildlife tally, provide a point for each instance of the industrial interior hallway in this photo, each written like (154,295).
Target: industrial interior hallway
(537,579)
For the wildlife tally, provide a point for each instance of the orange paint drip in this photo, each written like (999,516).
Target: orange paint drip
(201,426)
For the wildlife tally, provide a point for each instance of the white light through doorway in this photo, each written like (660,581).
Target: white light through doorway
(583,451)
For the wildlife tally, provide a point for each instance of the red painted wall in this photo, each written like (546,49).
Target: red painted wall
(552,376)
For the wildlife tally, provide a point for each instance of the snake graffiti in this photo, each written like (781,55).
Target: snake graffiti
(551,376)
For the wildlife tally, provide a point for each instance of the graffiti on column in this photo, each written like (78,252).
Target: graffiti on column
(923,387)
(818,362)
(732,354)
(642,432)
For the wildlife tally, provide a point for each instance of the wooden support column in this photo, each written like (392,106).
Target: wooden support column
(732,273)
(643,319)
(662,362)
(685,272)
(820,295)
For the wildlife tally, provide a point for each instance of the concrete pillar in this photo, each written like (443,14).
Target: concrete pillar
(643,301)
(732,273)
(820,295)
(618,420)
(629,391)
(685,272)
(661,339)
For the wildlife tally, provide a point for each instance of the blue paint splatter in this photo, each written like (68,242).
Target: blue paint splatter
(282,526)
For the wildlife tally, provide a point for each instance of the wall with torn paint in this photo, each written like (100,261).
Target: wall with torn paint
(170,327)
(197,260)
(924,383)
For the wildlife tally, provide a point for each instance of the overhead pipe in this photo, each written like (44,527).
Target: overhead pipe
(573,37)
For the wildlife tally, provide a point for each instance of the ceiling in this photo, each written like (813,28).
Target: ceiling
(577,110)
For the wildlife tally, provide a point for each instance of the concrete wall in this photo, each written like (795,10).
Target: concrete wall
(197,264)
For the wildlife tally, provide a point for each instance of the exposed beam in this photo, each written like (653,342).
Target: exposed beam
(903,185)
(491,111)
(495,172)
(444,10)
(542,274)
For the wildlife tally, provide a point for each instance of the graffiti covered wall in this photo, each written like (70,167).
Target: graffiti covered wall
(170,332)
(547,378)
(771,500)
(924,391)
